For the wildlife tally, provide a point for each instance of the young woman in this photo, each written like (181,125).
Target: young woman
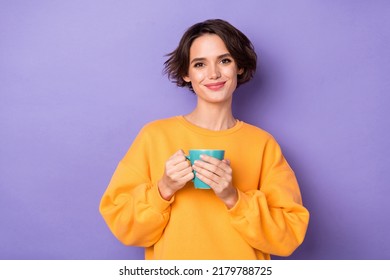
(253,209)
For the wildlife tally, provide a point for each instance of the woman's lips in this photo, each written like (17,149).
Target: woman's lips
(215,86)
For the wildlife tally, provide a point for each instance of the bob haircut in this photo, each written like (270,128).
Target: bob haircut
(238,45)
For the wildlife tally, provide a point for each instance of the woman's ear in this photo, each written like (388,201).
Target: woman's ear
(186,79)
(240,71)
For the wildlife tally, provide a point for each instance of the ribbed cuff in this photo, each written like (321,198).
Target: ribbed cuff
(241,206)
(157,202)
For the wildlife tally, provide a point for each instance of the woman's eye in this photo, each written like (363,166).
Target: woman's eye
(226,61)
(198,65)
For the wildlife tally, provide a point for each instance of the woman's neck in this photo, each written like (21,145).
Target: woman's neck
(212,117)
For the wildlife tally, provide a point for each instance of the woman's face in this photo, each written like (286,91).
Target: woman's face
(212,70)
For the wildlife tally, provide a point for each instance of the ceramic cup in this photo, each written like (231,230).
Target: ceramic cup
(195,155)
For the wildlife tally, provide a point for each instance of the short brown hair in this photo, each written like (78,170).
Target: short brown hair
(238,45)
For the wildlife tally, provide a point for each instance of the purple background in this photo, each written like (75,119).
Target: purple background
(78,79)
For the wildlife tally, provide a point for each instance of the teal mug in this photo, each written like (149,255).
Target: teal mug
(195,155)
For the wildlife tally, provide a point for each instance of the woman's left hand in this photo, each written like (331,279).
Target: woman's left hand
(218,175)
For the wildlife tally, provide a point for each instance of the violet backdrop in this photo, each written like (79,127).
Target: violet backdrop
(78,79)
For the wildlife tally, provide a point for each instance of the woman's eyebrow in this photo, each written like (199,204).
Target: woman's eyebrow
(224,55)
(197,59)
(201,59)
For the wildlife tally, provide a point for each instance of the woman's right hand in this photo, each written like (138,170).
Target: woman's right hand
(178,172)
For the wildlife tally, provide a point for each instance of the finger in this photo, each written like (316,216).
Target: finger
(180,152)
(176,158)
(211,172)
(207,180)
(223,164)
(187,174)
(210,159)
(219,176)
(202,174)
(183,175)
(227,161)
(183,165)
(218,168)
(173,168)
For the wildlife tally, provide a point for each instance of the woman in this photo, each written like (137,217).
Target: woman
(254,208)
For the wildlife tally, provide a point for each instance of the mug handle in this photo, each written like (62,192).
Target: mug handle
(188,158)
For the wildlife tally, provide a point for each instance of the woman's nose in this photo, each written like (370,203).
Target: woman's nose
(214,72)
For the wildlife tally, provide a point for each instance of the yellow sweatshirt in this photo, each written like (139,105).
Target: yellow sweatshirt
(268,219)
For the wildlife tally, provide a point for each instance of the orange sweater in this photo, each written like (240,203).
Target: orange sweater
(269,217)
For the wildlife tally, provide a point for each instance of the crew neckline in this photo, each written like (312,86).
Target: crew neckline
(206,131)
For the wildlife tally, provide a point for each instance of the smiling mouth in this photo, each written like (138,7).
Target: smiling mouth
(215,86)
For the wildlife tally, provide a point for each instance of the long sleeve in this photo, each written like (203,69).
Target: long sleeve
(272,219)
(132,206)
